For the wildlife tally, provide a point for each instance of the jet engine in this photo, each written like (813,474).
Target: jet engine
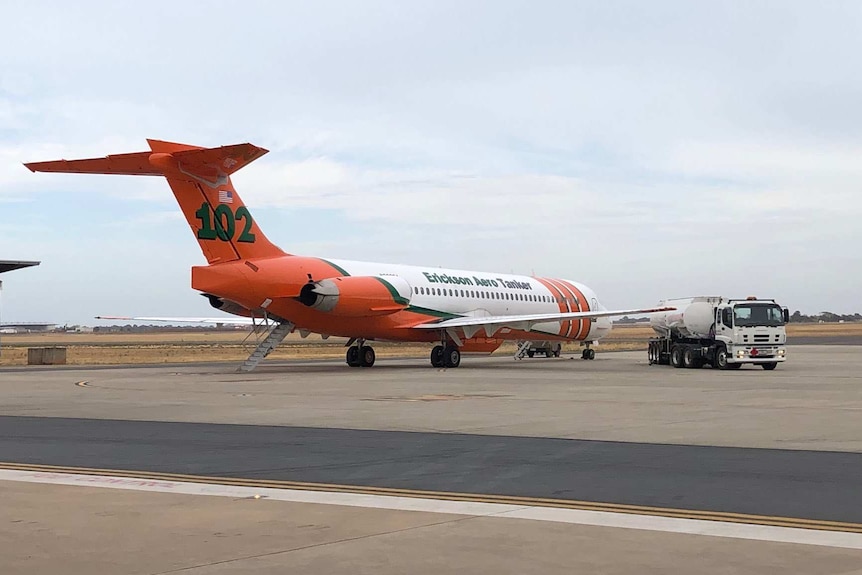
(357,296)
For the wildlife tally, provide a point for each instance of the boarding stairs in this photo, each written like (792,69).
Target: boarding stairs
(267,344)
(523,348)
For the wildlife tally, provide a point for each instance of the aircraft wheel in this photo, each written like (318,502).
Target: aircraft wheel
(676,356)
(591,353)
(367,356)
(769,366)
(353,356)
(452,357)
(437,356)
(558,352)
(530,353)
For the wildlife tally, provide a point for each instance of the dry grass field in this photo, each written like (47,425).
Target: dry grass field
(235,346)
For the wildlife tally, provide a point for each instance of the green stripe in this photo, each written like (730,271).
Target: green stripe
(340,269)
(394,292)
(434,312)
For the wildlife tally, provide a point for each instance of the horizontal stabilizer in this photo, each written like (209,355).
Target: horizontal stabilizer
(135,164)
(212,165)
(216,320)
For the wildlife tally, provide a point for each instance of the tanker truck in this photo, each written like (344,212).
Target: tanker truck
(723,333)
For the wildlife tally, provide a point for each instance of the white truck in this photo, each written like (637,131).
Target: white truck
(724,333)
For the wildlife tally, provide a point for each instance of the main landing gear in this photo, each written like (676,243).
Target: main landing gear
(446,356)
(360,355)
(588,353)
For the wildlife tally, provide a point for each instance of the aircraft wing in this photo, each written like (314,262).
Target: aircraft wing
(216,320)
(472,324)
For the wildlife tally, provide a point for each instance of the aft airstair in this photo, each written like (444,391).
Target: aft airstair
(523,348)
(269,343)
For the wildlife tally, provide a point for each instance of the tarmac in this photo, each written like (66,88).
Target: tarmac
(614,435)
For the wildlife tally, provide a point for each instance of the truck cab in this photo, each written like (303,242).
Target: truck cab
(752,331)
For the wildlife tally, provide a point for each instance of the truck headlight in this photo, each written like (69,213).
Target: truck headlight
(740,353)
(781,353)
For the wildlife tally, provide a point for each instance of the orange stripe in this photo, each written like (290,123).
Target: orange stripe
(583,305)
(571,333)
(574,297)
(565,325)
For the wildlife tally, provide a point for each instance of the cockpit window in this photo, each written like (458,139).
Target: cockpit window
(758,315)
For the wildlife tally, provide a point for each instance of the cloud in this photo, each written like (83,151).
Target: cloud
(651,150)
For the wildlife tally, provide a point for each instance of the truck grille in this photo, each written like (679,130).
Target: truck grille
(761,338)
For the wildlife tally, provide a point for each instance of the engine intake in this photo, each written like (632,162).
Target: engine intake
(357,296)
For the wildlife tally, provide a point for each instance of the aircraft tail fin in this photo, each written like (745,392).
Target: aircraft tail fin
(200,180)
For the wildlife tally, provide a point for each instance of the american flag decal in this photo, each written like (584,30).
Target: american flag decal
(225,197)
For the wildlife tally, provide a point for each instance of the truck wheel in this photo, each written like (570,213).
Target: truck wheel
(676,356)
(721,358)
(769,366)
(689,360)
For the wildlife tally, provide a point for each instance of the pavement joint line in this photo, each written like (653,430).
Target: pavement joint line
(563,504)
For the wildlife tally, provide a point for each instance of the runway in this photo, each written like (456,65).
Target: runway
(637,444)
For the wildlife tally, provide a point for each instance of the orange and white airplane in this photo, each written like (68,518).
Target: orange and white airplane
(249,276)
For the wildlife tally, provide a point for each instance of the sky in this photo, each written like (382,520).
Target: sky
(647,149)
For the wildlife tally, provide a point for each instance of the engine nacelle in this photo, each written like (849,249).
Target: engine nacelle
(357,296)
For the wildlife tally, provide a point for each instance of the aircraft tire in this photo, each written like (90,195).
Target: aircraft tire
(452,357)
(437,356)
(353,356)
(591,353)
(367,356)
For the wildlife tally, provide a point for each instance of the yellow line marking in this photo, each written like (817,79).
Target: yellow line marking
(729,517)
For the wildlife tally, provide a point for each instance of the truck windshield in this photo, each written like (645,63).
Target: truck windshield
(762,315)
